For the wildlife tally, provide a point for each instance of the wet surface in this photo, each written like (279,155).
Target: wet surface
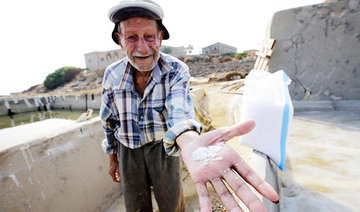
(322,165)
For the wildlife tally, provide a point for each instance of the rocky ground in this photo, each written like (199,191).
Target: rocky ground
(215,68)
(220,67)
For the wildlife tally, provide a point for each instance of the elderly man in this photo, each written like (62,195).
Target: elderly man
(148,117)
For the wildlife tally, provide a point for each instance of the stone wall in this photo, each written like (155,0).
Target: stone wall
(318,46)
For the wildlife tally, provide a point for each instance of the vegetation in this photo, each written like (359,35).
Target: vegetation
(61,76)
(215,57)
(240,55)
(188,60)
(228,54)
(224,59)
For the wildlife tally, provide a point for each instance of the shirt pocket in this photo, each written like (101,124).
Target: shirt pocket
(160,116)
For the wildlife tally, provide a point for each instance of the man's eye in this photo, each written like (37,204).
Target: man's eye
(131,38)
(149,37)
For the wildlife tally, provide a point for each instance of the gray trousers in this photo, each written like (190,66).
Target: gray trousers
(150,166)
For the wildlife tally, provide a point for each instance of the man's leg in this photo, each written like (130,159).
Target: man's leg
(135,179)
(165,174)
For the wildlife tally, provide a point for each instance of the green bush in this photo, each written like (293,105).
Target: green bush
(61,76)
(227,55)
(240,55)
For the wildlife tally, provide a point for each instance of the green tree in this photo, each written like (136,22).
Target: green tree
(61,76)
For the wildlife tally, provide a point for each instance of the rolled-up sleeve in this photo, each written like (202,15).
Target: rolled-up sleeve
(181,111)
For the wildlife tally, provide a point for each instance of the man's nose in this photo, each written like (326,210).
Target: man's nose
(142,46)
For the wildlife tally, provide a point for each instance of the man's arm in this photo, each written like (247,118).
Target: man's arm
(109,125)
(181,111)
(208,159)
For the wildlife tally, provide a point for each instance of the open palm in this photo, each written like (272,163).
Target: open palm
(209,159)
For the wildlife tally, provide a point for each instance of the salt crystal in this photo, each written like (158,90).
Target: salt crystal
(207,154)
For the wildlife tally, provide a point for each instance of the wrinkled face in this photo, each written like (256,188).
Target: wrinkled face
(141,40)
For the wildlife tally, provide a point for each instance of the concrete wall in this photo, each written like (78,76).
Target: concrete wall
(81,102)
(16,105)
(25,104)
(64,172)
(21,105)
(318,47)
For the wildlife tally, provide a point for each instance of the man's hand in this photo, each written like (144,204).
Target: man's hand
(208,159)
(114,168)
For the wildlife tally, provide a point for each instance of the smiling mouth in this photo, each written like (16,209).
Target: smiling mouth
(142,57)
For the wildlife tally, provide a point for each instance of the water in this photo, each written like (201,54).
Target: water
(31,117)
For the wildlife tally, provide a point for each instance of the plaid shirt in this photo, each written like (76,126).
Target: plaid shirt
(163,112)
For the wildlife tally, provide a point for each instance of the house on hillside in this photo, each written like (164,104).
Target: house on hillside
(174,51)
(100,59)
(218,48)
(250,51)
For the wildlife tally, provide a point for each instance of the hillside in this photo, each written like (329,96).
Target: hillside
(215,68)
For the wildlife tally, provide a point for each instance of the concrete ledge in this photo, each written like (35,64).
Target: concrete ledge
(63,172)
(312,105)
(353,105)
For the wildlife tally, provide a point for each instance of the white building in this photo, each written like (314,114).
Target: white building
(98,59)
(218,48)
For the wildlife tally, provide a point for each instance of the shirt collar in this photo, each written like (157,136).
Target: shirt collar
(161,68)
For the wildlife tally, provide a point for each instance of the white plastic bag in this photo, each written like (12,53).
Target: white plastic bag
(267,101)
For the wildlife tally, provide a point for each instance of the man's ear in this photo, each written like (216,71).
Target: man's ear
(161,36)
(118,37)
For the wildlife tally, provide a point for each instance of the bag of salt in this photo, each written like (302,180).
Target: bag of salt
(267,101)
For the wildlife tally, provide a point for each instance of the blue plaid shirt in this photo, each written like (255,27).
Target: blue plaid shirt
(163,112)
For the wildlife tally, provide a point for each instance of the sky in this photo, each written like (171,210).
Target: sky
(39,36)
